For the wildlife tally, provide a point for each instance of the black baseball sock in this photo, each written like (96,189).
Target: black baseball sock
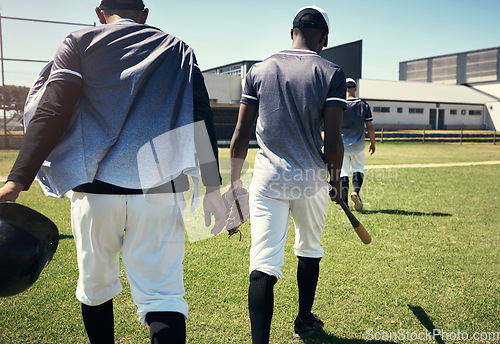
(260,305)
(166,327)
(99,323)
(307,279)
(357,181)
(344,182)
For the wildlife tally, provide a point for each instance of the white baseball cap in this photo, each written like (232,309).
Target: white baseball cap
(350,82)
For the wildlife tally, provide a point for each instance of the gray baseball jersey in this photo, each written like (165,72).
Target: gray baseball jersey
(353,125)
(291,89)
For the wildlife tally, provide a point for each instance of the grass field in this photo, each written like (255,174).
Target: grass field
(434,263)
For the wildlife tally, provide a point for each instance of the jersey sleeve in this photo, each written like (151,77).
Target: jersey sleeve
(203,112)
(249,95)
(367,113)
(67,63)
(337,90)
(44,131)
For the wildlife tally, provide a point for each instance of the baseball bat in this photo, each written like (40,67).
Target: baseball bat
(358,227)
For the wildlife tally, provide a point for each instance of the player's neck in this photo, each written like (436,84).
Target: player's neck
(351,95)
(302,44)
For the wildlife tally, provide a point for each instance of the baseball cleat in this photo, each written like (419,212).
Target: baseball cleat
(306,328)
(358,205)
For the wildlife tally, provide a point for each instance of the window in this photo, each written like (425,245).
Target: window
(475,113)
(381,109)
(453,112)
(400,110)
(231,70)
(416,110)
(463,112)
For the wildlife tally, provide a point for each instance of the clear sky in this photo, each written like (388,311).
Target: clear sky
(223,32)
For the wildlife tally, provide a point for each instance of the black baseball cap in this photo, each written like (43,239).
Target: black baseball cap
(122,5)
(321,20)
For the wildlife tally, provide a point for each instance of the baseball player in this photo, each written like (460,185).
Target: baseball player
(357,116)
(117,92)
(295,93)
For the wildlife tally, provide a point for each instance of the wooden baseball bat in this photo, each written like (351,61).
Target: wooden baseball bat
(358,227)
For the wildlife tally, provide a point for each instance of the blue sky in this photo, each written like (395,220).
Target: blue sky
(222,32)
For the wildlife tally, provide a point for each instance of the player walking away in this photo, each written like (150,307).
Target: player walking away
(295,92)
(113,90)
(357,116)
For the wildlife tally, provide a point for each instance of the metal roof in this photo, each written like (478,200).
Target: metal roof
(453,54)
(415,91)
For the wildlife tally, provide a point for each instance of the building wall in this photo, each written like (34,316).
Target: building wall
(223,89)
(412,115)
(492,120)
(348,56)
(462,68)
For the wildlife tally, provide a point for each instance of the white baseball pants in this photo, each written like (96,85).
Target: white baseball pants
(353,163)
(149,230)
(269,220)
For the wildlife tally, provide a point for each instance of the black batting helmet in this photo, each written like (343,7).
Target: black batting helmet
(28,241)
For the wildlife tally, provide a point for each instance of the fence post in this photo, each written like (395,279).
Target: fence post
(461,135)
(6,140)
(423,138)
(382,135)
(495,137)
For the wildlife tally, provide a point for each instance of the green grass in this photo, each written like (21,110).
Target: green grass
(433,263)
(394,153)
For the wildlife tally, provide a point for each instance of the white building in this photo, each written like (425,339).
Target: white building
(457,91)
(417,105)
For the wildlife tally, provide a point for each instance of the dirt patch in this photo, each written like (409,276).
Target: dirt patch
(447,164)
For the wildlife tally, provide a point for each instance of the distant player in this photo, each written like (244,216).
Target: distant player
(357,118)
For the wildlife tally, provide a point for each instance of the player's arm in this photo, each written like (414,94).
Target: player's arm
(249,107)
(333,145)
(43,133)
(334,148)
(371,135)
(241,138)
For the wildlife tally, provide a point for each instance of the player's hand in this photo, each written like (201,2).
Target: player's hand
(10,191)
(371,149)
(337,193)
(213,205)
(237,213)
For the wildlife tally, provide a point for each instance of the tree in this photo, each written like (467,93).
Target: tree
(12,99)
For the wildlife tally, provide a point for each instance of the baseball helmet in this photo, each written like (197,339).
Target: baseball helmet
(28,241)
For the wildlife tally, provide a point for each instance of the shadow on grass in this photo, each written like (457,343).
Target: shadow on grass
(322,337)
(426,321)
(64,236)
(404,212)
